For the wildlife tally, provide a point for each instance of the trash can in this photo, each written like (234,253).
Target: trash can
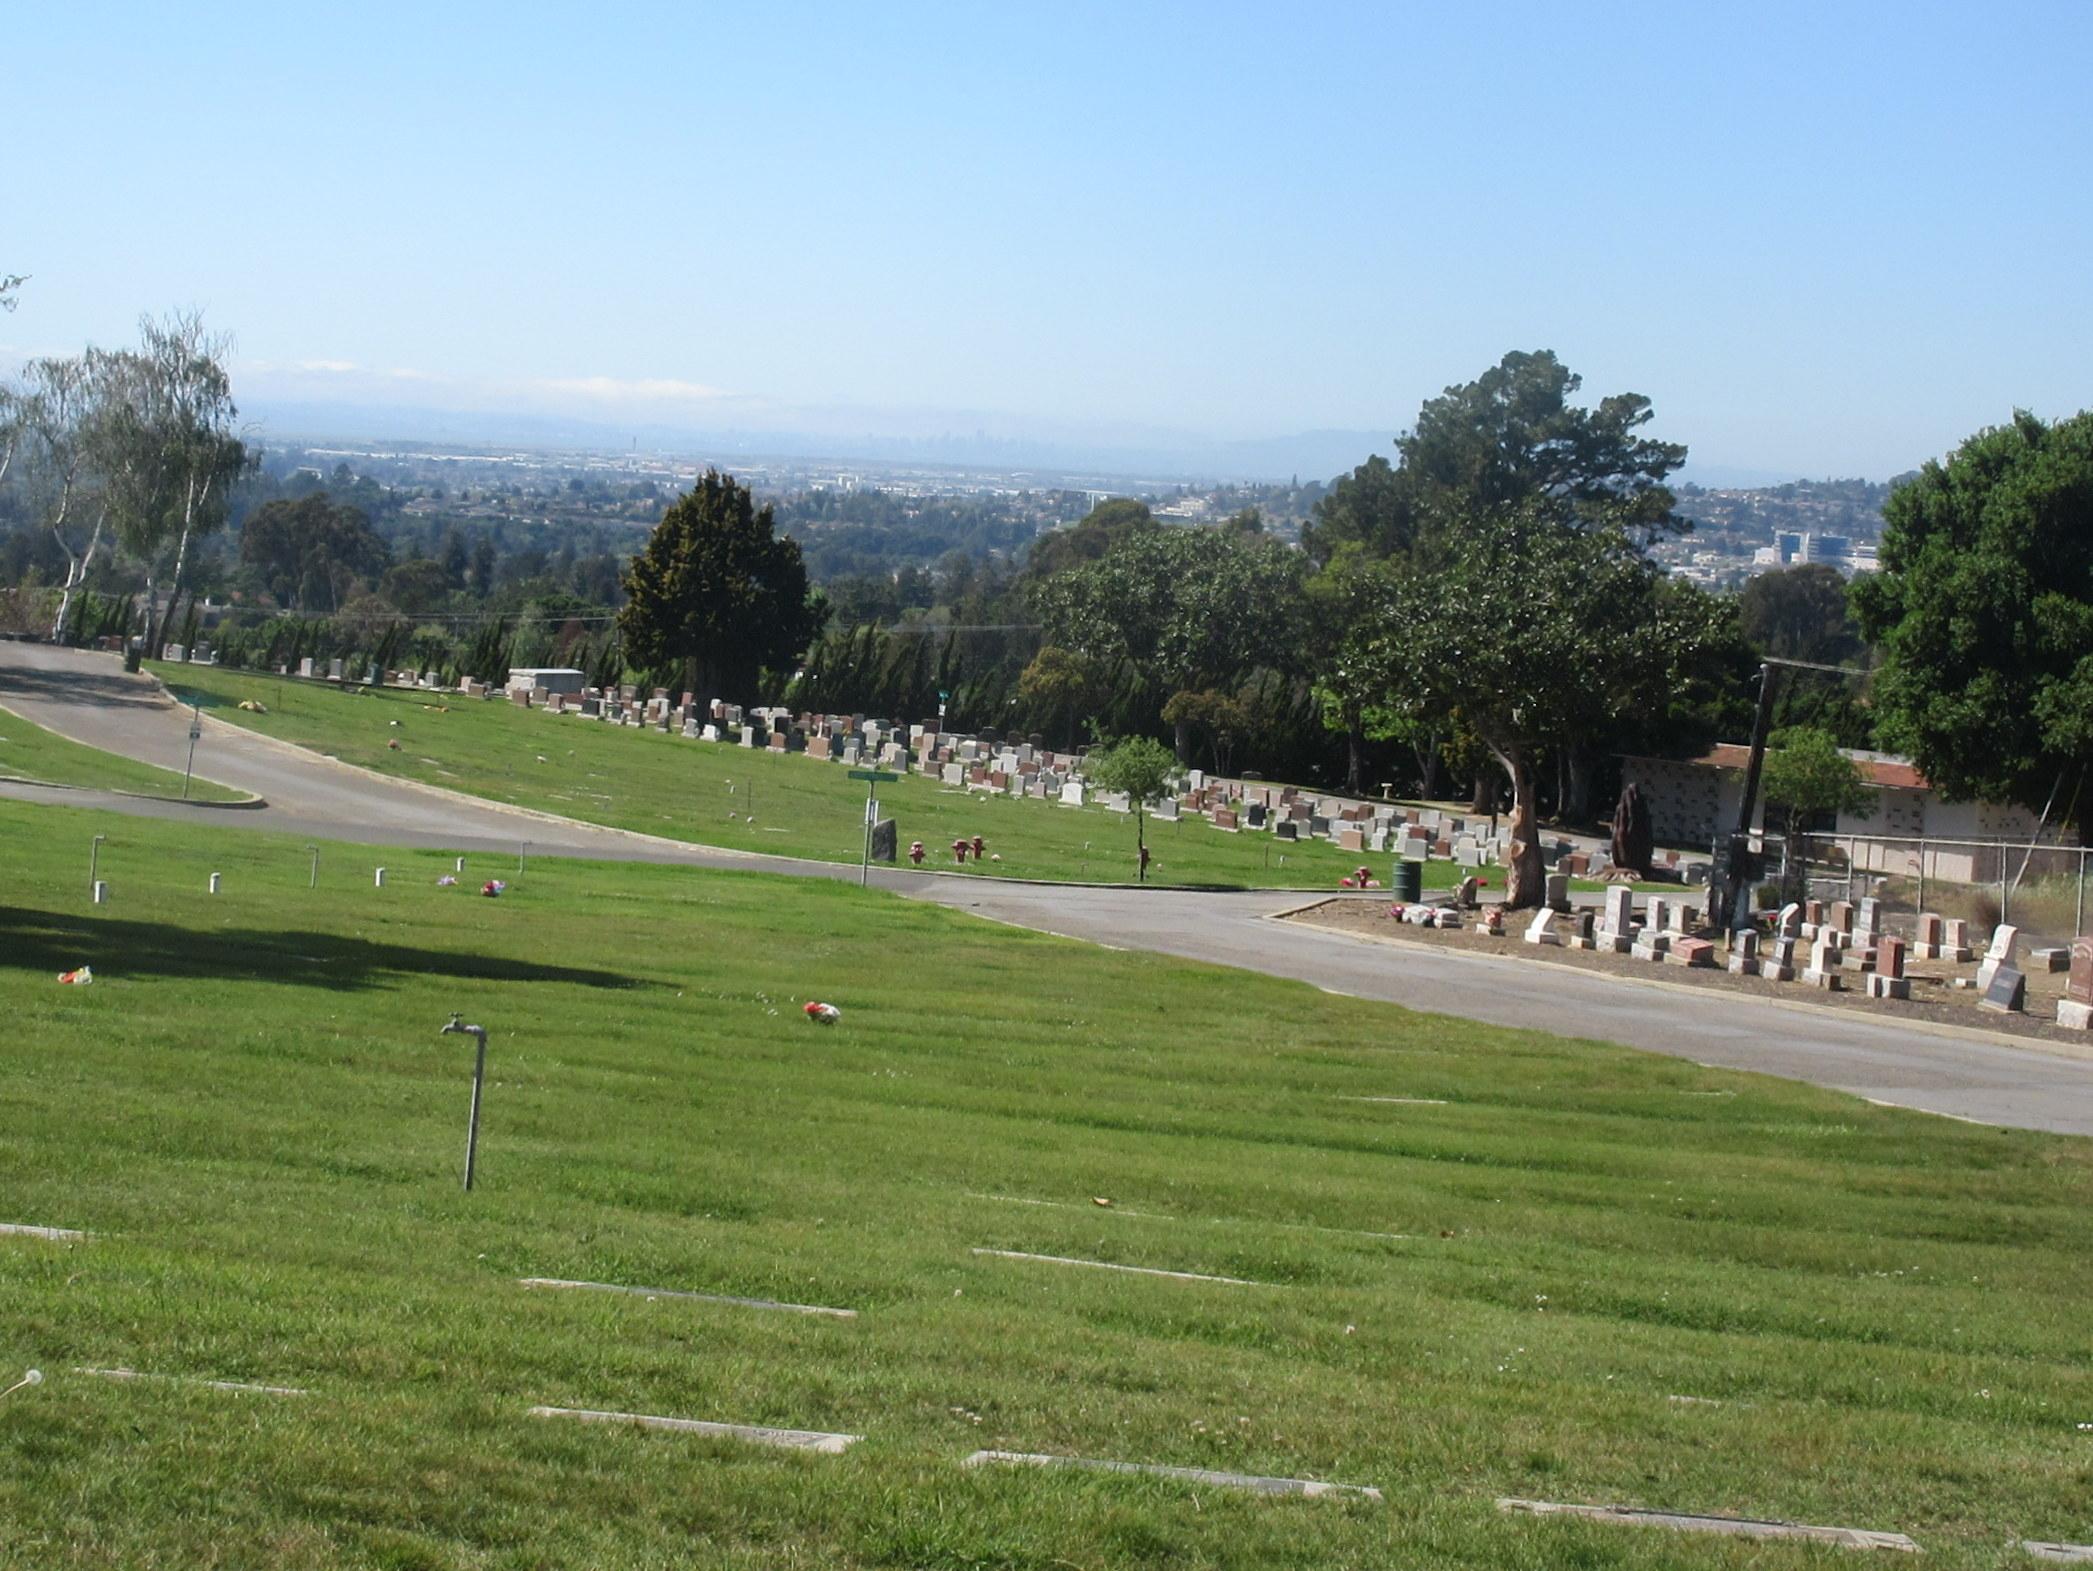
(1408,882)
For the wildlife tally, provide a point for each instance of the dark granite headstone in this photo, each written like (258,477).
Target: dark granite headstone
(1289,830)
(886,841)
(2008,993)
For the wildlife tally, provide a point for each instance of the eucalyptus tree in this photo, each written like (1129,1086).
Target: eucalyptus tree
(172,451)
(56,405)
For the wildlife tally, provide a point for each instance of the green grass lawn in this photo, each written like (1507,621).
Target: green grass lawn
(702,791)
(252,1113)
(29,752)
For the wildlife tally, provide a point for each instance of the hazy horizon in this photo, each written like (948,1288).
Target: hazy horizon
(1815,241)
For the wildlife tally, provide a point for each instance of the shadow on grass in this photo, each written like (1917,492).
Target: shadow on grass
(53,942)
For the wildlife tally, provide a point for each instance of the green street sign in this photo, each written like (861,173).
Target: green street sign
(874,775)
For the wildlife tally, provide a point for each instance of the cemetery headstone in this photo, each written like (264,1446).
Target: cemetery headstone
(1538,931)
(1779,964)
(1955,945)
(1823,969)
(886,841)
(1744,952)
(2003,939)
(1617,931)
(1931,937)
(2075,1008)
(1888,980)
(2006,992)
(1692,952)
(1558,891)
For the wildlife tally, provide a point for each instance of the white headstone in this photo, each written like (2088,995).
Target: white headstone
(2003,939)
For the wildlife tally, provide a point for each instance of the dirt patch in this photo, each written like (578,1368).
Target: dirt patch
(1933,1000)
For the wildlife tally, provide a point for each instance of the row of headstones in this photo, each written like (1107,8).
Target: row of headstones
(178,654)
(1833,933)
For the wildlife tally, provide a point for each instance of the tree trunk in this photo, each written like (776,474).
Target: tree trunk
(76,577)
(1427,766)
(1354,760)
(1181,740)
(1483,797)
(1577,798)
(1526,877)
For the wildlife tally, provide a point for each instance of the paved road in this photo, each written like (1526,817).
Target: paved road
(1964,1074)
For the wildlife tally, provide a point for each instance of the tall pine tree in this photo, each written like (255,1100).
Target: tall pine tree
(717,593)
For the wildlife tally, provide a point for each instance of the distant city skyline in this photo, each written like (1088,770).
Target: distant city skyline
(1824,241)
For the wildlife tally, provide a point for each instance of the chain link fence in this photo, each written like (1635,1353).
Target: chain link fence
(2041,887)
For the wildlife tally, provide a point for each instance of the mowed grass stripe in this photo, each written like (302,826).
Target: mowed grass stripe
(267,1155)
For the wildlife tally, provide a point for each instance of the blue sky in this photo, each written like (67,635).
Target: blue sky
(1823,238)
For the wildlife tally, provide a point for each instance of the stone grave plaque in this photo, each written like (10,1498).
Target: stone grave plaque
(886,841)
(2007,991)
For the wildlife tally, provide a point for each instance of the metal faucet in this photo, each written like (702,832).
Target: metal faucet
(479,1075)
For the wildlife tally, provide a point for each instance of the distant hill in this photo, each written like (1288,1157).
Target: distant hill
(1753,516)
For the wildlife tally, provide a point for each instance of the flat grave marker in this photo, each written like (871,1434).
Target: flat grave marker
(1308,1487)
(1107,1265)
(701,1298)
(32,1230)
(193,1380)
(758,1434)
(1735,1527)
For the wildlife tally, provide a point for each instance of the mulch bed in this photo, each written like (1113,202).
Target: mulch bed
(1932,999)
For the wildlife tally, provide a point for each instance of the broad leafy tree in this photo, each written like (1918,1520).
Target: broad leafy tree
(311,553)
(1192,608)
(1983,617)
(1090,538)
(1527,631)
(1800,613)
(1513,439)
(1373,510)
(717,592)
(1348,606)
